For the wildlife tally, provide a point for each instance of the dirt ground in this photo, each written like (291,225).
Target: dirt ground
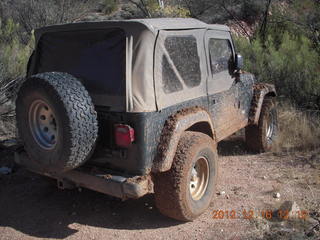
(31,207)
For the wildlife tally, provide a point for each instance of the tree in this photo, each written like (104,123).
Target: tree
(31,14)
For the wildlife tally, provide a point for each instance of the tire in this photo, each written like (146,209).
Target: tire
(175,196)
(56,121)
(261,137)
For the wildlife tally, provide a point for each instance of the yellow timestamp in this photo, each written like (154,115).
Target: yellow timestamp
(268,214)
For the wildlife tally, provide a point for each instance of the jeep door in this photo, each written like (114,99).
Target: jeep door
(224,90)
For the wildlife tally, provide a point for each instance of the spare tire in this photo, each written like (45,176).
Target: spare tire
(56,121)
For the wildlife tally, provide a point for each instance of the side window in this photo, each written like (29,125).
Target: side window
(181,64)
(171,82)
(220,55)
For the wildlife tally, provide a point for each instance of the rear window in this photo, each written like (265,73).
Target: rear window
(181,62)
(96,57)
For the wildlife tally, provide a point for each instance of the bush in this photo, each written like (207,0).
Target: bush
(291,64)
(109,6)
(32,14)
(298,129)
(13,54)
(13,60)
(151,8)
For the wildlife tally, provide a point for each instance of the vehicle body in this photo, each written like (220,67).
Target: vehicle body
(153,79)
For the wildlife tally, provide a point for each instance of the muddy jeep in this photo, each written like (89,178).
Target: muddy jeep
(133,107)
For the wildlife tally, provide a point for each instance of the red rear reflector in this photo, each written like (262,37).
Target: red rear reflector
(124,135)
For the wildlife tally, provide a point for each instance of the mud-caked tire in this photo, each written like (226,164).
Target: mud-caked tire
(56,121)
(186,190)
(261,137)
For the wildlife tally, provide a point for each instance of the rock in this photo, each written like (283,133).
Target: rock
(222,193)
(276,195)
(5,170)
(264,177)
(227,196)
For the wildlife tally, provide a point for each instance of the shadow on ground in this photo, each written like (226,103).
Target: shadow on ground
(234,145)
(32,204)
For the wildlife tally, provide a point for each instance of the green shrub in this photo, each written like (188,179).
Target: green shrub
(13,54)
(171,11)
(109,6)
(291,64)
(13,60)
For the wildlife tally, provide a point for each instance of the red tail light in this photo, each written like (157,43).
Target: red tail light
(124,135)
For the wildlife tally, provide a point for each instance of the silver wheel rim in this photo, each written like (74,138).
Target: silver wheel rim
(199,178)
(270,127)
(43,124)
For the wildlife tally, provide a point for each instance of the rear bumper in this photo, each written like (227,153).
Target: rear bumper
(117,186)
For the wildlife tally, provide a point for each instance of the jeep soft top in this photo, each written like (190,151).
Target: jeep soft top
(114,59)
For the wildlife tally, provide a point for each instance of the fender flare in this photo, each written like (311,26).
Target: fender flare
(195,119)
(260,91)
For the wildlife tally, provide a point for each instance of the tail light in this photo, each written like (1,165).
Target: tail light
(124,135)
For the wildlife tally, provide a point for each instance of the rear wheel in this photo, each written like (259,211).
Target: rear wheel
(56,121)
(261,137)
(185,191)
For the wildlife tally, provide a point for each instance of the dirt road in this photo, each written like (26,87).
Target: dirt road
(32,207)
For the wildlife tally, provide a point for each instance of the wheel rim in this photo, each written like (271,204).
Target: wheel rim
(199,178)
(43,124)
(270,127)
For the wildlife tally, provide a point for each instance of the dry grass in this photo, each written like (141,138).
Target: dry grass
(8,91)
(298,130)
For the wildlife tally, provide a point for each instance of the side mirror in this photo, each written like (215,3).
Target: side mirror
(239,62)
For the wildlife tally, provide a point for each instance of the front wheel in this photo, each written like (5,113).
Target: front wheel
(185,191)
(261,137)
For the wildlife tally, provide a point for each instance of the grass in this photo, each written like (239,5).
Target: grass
(7,113)
(298,129)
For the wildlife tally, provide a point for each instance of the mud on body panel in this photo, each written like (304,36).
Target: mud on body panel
(138,159)
(260,91)
(195,118)
(230,109)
